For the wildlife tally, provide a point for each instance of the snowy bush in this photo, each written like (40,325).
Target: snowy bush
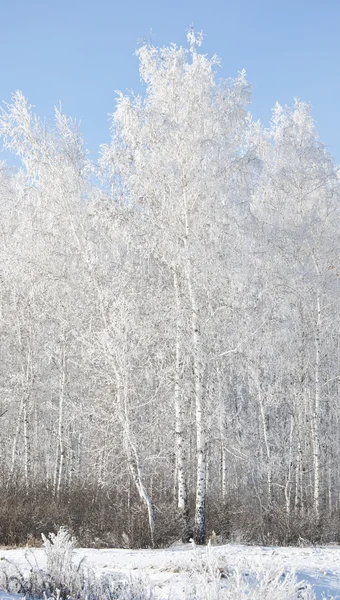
(63,573)
(64,579)
(258,581)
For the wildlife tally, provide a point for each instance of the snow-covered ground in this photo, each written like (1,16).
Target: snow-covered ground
(174,571)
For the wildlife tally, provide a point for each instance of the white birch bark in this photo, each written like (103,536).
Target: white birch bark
(298,478)
(200,511)
(224,454)
(136,473)
(27,452)
(182,500)
(61,449)
(15,443)
(132,453)
(267,447)
(289,482)
(330,496)
(316,411)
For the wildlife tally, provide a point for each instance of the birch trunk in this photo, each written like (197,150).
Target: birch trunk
(316,412)
(298,478)
(200,507)
(136,473)
(132,454)
(15,443)
(200,512)
(61,449)
(27,452)
(267,447)
(224,469)
(288,486)
(182,500)
(330,498)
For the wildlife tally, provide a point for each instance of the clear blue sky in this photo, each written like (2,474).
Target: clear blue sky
(79,52)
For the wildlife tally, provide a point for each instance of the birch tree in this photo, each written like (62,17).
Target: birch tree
(300,197)
(175,154)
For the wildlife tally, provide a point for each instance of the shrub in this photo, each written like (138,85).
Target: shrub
(64,579)
(258,581)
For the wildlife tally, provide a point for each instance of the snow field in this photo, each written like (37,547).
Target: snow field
(229,572)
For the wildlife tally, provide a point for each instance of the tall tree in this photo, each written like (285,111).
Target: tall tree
(176,154)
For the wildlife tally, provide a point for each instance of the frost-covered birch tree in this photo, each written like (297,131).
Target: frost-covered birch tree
(299,201)
(176,153)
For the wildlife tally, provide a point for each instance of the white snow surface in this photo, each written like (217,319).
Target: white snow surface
(172,571)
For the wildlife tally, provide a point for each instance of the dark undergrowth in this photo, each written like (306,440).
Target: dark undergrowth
(108,518)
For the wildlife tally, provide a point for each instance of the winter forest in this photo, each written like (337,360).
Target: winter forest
(170,318)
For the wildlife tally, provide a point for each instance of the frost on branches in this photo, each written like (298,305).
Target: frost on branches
(169,317)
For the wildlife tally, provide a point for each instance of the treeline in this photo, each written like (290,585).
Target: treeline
(170,341)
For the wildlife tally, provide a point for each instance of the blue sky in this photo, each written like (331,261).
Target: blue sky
(79,52)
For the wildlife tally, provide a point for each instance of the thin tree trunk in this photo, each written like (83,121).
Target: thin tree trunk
(61,449)
(267,447)
(27,453)
(288,486)
(200,508)
(136,473)
(200,513)
(15,443)
(330,498)
(316,412)
(298,478)
(132,455)
(182,500)
(224,468)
